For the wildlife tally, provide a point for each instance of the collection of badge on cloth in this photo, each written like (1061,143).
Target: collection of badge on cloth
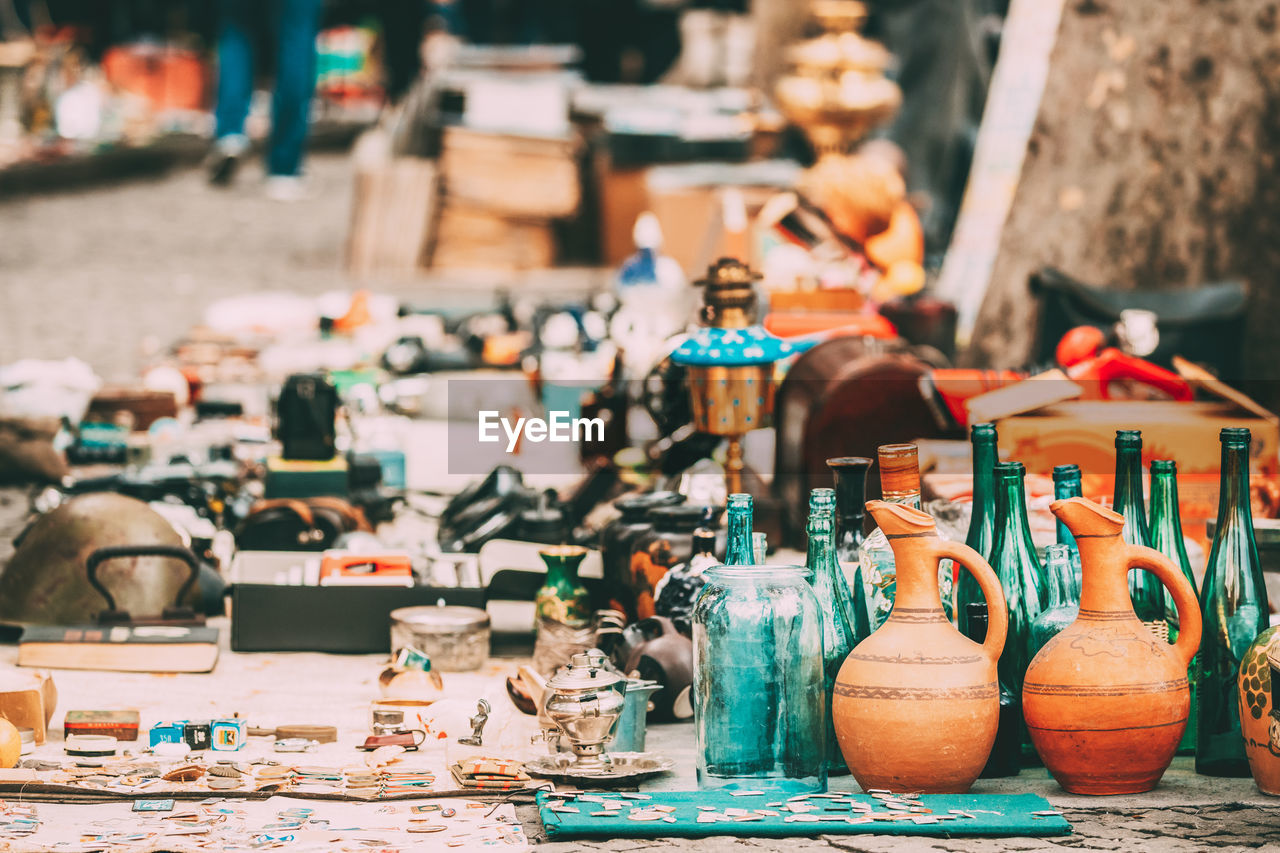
(280,823)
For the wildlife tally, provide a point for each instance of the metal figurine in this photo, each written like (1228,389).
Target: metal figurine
(477,725)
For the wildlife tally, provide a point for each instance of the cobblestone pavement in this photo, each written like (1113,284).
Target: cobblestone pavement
(93,273)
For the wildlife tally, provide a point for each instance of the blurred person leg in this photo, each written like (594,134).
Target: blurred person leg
(236,32)
(403,26)
(296,30)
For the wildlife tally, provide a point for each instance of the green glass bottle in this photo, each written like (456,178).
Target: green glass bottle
(982,521)
(1066,484)
(835,605)
(1144,588)
(1166,537)
(1233,602)
(850,475)
(1064,599)
(1013,556)
(739,548)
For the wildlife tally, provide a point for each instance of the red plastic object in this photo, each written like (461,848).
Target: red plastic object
(1096,374)
(790,324)
(1078,344)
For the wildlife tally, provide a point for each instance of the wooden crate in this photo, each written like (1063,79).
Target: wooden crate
(469,237)
(392,217)
(516,176)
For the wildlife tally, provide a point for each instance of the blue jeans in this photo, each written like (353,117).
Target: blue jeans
(294,24)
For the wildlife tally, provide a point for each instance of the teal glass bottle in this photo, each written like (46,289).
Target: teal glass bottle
(1013,556)
(1064,598)
(1066,484)
(982,520)
(1233,602)
(1006,753)
(1145,589)
(1166,537)
(835,606)
(850,475)
(739,548)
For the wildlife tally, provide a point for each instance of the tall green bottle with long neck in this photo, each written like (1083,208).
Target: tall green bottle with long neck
(982,521)
(1066,484)
(1145,588)
(1166,537)
(1013,556)
(835,607)
(1233,602)
(738,545)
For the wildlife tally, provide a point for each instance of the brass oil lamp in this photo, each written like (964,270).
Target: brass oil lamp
(730,360)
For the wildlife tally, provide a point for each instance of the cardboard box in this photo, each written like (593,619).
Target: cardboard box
(1084,431)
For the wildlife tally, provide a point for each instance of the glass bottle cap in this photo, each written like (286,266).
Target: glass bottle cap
(1066,472)
(1236,435)
(1164,466)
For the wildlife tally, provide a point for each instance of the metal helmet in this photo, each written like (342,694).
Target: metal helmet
(46,581)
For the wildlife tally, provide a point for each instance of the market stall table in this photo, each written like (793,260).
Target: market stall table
(271,689)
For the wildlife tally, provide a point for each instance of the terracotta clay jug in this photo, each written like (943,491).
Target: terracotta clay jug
(1106,700)
(916,705)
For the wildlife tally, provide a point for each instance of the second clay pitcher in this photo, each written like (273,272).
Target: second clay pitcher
(916,705)
(1106,700)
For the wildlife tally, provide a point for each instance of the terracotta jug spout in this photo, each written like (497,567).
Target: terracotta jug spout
(900,519)
(1079,514)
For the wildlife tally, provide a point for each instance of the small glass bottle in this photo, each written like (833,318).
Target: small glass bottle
(1233,604)
(1064,599)
(1013,557)
(739,549)
(759,547)
(1144,587)
(1066,484)
(1006,753)
(1166,537)
(899,483)
(982,521)
(850,474)
(835,606)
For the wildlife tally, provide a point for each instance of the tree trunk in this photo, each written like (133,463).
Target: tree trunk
(1152,165)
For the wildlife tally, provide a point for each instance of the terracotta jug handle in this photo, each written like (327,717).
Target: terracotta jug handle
(1184,597)
(997,610)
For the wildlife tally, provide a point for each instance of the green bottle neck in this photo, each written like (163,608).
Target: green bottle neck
(1063,488)
(1127,499)
(821,557)
(739,550)
(1166,523)
(1013,531)
(1234,508)
(982,522)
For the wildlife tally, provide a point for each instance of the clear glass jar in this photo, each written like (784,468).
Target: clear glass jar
(759,705)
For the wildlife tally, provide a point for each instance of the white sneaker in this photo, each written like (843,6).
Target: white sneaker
(287,188)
